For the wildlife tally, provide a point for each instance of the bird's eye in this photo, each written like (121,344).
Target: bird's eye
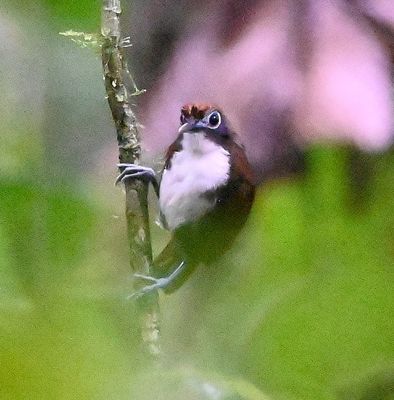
(182,119)
(214,120)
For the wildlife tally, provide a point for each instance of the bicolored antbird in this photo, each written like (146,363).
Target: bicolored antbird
(205,194)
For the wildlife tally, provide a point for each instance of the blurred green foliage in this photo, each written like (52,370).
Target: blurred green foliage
(78,13)
(301,308)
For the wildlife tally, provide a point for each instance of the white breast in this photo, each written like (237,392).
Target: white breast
(200,166)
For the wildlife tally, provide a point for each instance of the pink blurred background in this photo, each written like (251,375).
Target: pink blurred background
(285,72)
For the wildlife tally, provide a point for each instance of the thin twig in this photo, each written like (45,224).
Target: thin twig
(115,73)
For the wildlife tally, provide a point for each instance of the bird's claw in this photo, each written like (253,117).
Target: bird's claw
(157,283)
(134,171)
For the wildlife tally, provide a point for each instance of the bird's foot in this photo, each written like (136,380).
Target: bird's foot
(134,171)
(156,283)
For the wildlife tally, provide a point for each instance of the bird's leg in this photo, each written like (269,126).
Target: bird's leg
(134,171)
(157,283)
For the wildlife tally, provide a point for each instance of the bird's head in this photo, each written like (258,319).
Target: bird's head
(203,117)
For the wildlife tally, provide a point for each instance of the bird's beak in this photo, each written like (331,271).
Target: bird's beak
(185,127)
(188,127)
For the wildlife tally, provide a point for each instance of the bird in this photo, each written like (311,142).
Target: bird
(205,195)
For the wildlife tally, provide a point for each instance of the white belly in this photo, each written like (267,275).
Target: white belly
(200,166)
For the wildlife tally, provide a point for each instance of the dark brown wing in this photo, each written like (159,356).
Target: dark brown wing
(176,146)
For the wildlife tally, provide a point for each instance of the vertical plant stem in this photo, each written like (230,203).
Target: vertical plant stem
(115,71)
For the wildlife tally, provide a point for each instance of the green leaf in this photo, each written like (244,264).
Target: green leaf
(92,41)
